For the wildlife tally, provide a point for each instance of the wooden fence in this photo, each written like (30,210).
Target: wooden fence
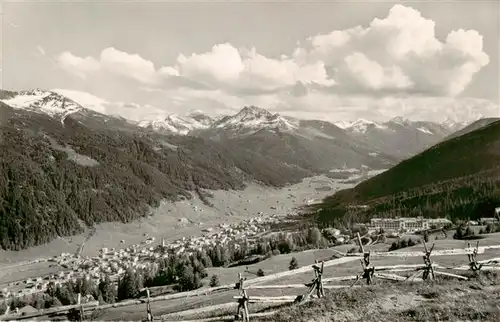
(428,270)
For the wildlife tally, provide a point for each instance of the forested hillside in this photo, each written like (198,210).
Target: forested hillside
(57,176)
(459,178)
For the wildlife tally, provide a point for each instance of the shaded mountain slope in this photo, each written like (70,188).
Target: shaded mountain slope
(314,145)
(58,176)
(474,126)
(320,154)
(399,137)
(459,178)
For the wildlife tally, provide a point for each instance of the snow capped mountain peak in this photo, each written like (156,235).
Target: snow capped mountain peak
(35,92)
(180,124)
(251,119)
(42,101)
(343,124)
(359,126)
(252,112)
(201,117)
(453,124)
(363,126)
(400,120)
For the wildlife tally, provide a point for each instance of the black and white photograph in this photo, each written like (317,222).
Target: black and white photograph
(250,160)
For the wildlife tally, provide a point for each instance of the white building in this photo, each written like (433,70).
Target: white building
(407,224)
(489,220)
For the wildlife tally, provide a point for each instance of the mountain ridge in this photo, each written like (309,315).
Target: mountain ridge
(459,178)
(59,175)
(64,166)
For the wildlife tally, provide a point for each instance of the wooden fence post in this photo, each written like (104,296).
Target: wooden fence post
(429,270)
(242,301)
(80,306)
(368,272)
(319,281)
(473,264)
(149,313)
(315,285)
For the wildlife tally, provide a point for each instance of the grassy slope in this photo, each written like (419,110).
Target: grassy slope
(444,300)
(458,177)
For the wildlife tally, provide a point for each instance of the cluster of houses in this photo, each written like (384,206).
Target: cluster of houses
(114,262)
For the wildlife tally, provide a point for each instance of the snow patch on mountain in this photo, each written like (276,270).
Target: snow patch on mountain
(400,121)
(454,125)
(360,126)
(252,119)
(180,124)
(86,100)
(46,102)
(424,130)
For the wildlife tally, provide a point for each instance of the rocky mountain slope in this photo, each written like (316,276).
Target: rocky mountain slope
(459,177)
(474,126)
(315,145)
(63,167)
(181,125)
(400,137)
(397,139)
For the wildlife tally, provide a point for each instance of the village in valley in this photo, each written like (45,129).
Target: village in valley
(113,263)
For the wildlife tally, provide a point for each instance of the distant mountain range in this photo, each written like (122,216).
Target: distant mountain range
(458,178)
(314,145)
(399,138)
(474,126)
(65,166)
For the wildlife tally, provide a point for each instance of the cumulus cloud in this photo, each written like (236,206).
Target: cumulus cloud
(77,66)
(344,71)
(115,62)
(231,68)
(399,53)
(224,67)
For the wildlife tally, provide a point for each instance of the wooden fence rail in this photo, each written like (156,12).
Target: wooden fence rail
(315,289)
(51,311)
(428,270)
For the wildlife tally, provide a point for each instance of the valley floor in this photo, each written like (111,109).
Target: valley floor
(171,221)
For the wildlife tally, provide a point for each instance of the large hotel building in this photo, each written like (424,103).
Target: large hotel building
(407,224)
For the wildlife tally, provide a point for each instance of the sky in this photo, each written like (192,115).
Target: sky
(376,60)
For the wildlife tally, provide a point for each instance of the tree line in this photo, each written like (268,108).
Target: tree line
(458,199)
(46,192)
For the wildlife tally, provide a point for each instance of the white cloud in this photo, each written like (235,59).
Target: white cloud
(115,63)
(231,68)
(128,65)
(399,53)
(40,50)
(369,69)
(77,66)
(87,100)
(375,76)
(128,110)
